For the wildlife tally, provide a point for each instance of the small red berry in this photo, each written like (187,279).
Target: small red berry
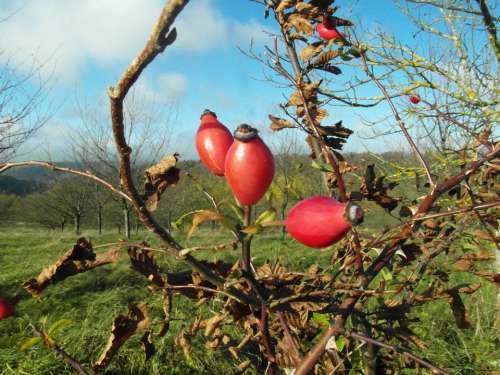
(414,98)
(327,32)
(213,140)
(6,309)
(322,221)
(249,166)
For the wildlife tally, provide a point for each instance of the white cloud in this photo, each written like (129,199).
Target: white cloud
(172,86)
(67,35)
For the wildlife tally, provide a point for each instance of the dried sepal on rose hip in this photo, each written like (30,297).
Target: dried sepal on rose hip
(249,167)
(213,140)
(321,221)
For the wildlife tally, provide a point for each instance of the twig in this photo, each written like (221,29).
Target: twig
(489,22)
(192,286)
(398,349)
(297,357)
(246,240)
(53,167)
(66,357)
(395,112)
(476,208)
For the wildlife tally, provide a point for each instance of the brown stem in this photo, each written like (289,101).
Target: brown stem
(246,240)
(55,168)
(297,357)
(66,357)
(398,349)
(490,26)
(327,154)
(483,206)
(266,338)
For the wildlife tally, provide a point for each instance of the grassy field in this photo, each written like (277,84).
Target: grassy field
(92,300)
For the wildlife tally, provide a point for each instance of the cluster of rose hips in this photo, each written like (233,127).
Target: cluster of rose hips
(248,165)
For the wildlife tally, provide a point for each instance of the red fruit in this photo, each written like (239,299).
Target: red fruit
(6,309)
(213,140)
(327,32)
(415,98)
(322,221)
(249,166)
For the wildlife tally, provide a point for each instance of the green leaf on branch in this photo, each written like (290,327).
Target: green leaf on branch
(267,216)
(60,324)
(323,167)
(28,343)
(386,274)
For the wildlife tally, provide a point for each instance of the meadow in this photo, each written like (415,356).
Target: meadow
(89,302)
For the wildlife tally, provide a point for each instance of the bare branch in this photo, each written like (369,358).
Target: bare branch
(43,164)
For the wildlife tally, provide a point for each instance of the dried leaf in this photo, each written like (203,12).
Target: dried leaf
(278,124)
(459,311)
(285,4)
(147,345)
(466,261)
(243,366)
(295,99)
(213,323)
(183,340)
(157,178)
(490,276)
(310,51)
(167,310)
(324,58)
(123,328)
(301,24)
(200,217)
(80,258)
(143,261)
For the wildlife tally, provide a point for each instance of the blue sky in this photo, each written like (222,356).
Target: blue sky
(85,45)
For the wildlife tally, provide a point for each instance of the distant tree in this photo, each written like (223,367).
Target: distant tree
(148,128)
(67,199)
(22,100)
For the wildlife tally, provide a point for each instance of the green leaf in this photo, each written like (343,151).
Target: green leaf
(340,342)
(58,325)
(321,319)
(267,216)
(28,343)
(252,229)
(386,274)
(323,167)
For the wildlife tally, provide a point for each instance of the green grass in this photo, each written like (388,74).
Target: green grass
(92,300)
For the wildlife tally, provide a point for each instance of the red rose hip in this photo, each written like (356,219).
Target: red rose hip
(321,221)
(213,140)
(249,166)
(326,32)
(6,309)
(414,98)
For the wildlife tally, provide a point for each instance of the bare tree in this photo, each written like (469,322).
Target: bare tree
(148,125)
(22,98)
